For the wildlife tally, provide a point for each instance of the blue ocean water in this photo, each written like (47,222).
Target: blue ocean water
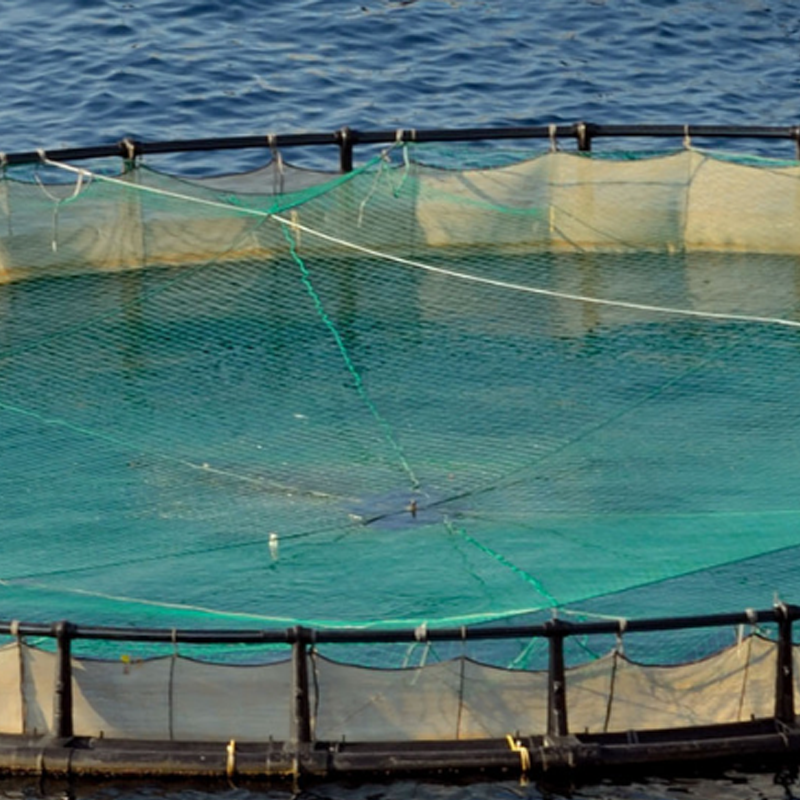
(81,72)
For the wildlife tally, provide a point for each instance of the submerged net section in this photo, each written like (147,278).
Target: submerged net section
(404,395)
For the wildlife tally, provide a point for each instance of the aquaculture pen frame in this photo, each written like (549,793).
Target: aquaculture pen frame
(347,139)
(561,753)
(773,741)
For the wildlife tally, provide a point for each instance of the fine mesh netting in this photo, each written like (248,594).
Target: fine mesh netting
(179,698)
(407,394)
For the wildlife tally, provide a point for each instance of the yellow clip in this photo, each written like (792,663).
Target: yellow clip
(524,754)
(231,766)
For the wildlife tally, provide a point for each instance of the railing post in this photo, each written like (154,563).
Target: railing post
(557,682)
(584,137)
(301,729)
(784,673)
(346,139)
(62,700)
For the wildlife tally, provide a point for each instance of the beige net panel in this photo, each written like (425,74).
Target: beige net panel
(177,698)
(687,201)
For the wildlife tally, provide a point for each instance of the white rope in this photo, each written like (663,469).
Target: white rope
(686,312)
(430,268)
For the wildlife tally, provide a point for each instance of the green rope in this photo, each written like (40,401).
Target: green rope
(357,380)
(501,559)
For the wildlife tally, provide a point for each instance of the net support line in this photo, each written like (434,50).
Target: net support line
(351,368)
(449,273)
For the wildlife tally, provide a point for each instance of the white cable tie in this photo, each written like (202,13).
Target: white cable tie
(14,628)
(413,132)
(398,136)
(551,130)
(272,141)
(3,160)
(421,633)
(752,617)
(622,626)
(42,155)
(130,149)
(687,140)
(581,129)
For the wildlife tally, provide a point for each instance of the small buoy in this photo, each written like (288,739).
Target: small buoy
(273,545)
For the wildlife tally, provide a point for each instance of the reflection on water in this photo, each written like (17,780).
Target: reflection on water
(730,786)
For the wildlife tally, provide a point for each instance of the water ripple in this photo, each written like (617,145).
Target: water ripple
(91,73)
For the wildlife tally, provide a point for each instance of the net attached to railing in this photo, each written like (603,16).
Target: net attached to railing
(177,698)
(403,395)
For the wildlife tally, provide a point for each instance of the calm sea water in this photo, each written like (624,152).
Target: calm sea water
(83,72)
(80,72)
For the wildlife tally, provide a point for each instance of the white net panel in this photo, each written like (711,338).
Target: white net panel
(176,698)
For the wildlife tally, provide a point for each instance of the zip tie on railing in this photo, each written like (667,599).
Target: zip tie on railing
(583,141)
(622,627)
(13,628)
(524,754)
(421,632)
(552,129)
(272,141)
(405,135)
(687,139)
(130,149)
(277,183)
(752,616)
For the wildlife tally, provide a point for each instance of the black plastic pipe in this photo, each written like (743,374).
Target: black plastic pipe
(346,139)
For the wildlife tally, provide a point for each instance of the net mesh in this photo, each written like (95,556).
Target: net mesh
(177,698)
(408,394)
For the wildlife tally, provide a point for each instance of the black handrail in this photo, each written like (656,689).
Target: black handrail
(346,139)
(556,631)
(546,630)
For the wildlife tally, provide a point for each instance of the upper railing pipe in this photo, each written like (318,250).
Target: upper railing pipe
(399,635)
(346,139)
